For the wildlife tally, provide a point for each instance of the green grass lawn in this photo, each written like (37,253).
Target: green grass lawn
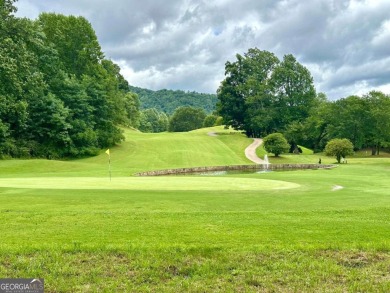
(297,231)
(143,152)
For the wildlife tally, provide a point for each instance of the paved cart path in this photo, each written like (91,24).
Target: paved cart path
(250,151)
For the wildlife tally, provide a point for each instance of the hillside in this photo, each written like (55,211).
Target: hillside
(168,100)
(154,151)
(144,152)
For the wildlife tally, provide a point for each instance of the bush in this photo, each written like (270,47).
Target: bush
(276,143)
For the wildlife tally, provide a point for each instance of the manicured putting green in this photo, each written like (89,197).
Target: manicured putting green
(148,183)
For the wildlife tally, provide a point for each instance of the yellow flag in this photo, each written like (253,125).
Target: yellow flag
(108,152)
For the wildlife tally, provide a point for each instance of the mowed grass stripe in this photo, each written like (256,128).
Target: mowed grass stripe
(148,183)
(143,152)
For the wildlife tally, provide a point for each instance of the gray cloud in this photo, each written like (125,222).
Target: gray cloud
(184,44)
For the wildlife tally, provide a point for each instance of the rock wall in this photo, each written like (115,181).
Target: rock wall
(259,167)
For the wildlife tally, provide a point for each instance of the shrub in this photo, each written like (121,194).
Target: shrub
(276,143)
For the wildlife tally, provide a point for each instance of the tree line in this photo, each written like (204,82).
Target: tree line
(59,96)
(364,120)
(177,111)
(168,101)
(168,110)
(184,118)
(262,95)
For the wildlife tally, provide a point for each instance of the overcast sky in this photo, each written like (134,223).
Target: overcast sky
(184,44)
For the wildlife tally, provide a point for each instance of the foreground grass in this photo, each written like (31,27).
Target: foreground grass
(206,269)
(283,232)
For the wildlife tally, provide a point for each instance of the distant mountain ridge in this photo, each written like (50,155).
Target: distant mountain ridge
(169,100)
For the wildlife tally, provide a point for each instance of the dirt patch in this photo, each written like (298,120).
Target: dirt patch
(337,187)
(212,133)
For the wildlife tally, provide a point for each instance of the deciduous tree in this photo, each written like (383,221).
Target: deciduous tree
(377,122)
(262,95)
(186,119)
(210,120)
(152,120)
(58,96)
(341,148)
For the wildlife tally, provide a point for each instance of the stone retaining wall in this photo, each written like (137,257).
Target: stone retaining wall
(259,167)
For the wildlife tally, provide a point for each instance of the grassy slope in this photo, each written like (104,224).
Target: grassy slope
(153,238)
(142,152)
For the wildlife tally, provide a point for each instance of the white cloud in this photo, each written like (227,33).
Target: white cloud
(27,9)
(184,44)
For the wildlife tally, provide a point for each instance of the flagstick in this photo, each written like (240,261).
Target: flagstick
(109,162)
(109,166)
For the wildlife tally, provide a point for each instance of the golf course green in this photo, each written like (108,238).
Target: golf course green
(148,183)
(298,231)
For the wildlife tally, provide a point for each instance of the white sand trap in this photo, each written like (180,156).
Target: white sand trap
(337,187)
(148,183)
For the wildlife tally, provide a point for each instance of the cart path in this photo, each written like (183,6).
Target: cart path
(250,151)
(212,133)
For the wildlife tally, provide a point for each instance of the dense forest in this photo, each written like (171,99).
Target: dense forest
(59,96)
(168,101)
(262,95)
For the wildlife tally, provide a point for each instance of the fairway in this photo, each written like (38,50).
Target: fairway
(297,231)
(148,183)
